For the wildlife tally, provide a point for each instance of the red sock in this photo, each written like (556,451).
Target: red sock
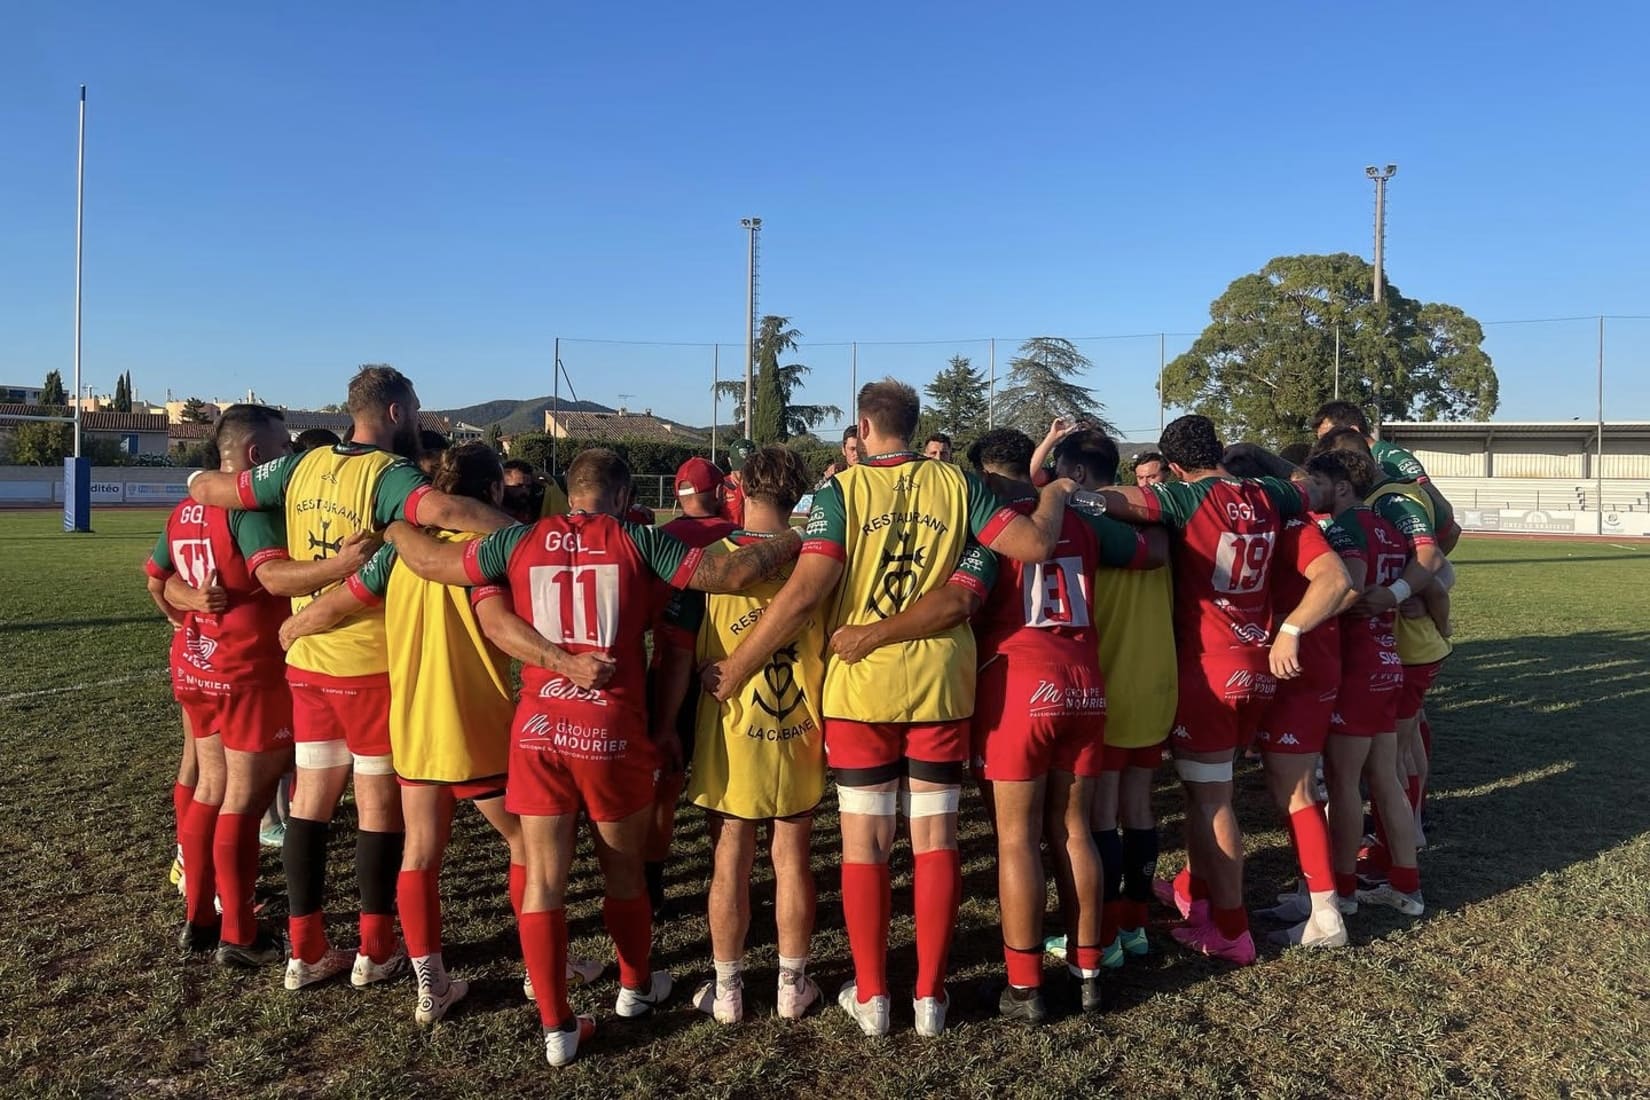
(1233,922)
(1405,880)
(936,890)
(181,797)
(1311,836)
(1196,888)
(630,925)
(1024,965)
(865,910)
(1137,915)
(377,936)
(308,935)
(1412,788)
(1111,919)
(199,823)
(235,864)
(418,900)
(1087,958)
(518,887)
(544,948)
(1346,885)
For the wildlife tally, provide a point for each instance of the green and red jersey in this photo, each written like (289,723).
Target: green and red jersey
(1228,533)
(395,494)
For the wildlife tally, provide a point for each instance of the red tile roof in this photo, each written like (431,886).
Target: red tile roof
(91,421)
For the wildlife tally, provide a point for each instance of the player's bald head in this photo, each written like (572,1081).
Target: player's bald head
(598,480)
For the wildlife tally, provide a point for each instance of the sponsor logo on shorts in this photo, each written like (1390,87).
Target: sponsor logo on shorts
(1182,733)
(1246,683)
(283,734)
(1335,719)
(568,690)
(1288,739)
(1049,698)
(570,738)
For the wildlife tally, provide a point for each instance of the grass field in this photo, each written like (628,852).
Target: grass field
(1528,975)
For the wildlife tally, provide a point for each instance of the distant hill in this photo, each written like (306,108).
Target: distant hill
(514,416)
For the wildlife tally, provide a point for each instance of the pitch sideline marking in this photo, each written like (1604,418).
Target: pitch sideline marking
(68,688)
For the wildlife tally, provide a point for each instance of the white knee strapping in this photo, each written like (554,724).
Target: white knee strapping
(374,765)
(321,754)
(859,800)
(916,804)
(1196,771)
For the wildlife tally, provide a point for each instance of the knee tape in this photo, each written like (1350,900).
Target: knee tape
(321,754)
(374,765)
(915,804)
(1196,771)
(858,800)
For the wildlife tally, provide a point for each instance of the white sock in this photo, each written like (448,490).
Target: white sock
(430,972)
(800,964)
(728,973)
(1079,972)
(1323,901)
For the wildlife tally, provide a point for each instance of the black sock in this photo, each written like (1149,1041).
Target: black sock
(304,857)
(1111,863)
(654,871)
(1139,863)
(377,866)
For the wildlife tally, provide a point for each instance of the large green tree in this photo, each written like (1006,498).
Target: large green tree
(1266,361)
(1042,384)
(40,443)
(774,417)
(52,392)
(957,403)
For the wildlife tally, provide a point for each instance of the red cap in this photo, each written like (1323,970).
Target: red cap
(697,475)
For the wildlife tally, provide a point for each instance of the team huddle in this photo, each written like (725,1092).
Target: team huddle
(351,612)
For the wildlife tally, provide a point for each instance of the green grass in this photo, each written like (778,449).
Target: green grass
(1526,977)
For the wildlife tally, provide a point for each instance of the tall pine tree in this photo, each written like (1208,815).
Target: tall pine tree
(1042,385)
(957,402)
(52,392)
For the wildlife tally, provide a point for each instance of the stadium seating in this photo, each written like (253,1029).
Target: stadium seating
(1548,494)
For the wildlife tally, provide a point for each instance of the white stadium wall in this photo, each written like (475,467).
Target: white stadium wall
(22,486)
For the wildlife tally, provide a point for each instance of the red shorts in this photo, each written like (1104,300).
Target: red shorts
(354,710)
(1417,680)
(249,719)
(1031,719)
(1297,721)
(1368,702)
(856,745)
(1221,704)
(1115,758)
(586,758)
(464,790)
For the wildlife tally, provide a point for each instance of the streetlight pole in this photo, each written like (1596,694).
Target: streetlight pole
(753,226)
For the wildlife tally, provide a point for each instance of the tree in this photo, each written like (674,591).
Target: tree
(40,443)
(774,339)
(494,438)
(1041,387)
(957,403)
(194,412)
(52,393)
(123,394)
(1266,361)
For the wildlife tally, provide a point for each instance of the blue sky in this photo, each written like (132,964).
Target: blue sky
(279,192)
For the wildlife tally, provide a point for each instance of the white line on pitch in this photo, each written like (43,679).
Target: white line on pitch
(67,688)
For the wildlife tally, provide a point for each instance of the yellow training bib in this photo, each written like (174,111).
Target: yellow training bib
(906,527)
(1419,642)
(762,753)
(450,699)
(1134,612)
(328,498)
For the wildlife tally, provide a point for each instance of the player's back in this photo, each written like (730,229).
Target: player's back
(447,680)
(584,585)
(905,528)
(240,644)
(1046,607)
(329,497)
(1223,567)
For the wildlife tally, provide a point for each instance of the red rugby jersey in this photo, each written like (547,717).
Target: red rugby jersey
(1300,543)
(1366,641)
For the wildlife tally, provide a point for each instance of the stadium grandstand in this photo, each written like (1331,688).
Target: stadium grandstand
(1537,476)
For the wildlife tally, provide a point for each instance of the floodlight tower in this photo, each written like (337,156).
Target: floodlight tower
(1380,176)
(753,227)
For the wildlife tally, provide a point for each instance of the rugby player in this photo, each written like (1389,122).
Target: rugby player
(1150,469)
(733,485)
(1395,462)
(882,534)
(582,582)
(1058,429)
(230,574)
(1362,739)
(937,447)
(1134,616)
(340,677)
(1228,531)
(853,453)
(310,438)
(759,759)
(700,496)
(1038,728)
